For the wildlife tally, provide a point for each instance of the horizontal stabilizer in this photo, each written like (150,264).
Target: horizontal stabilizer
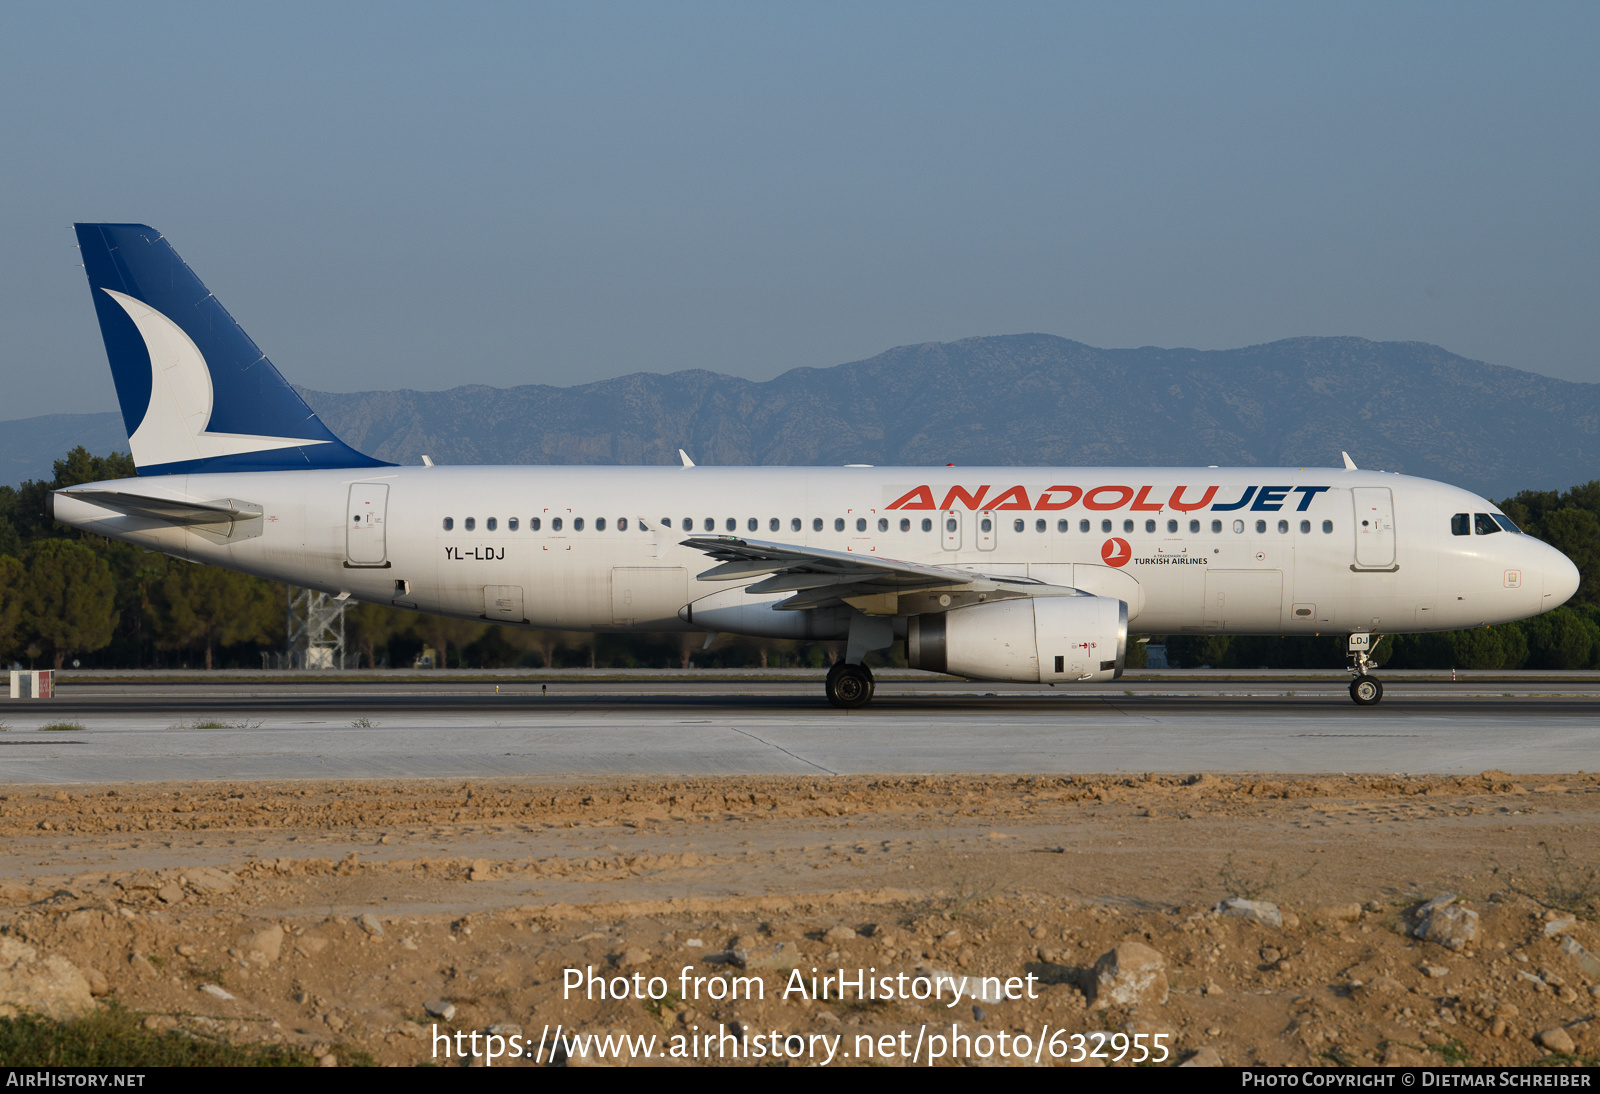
(170,510)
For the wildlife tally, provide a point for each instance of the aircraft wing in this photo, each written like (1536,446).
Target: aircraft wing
(873,585)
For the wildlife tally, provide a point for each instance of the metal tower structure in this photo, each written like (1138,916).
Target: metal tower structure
(316,630)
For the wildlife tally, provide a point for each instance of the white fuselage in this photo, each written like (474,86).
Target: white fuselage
(1308,550)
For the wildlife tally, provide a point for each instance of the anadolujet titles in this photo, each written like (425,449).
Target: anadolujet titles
(1029,574)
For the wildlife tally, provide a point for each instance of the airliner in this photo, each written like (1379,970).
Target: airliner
(1026,574)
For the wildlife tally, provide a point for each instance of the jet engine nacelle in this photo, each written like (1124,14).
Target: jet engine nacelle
(1037,640)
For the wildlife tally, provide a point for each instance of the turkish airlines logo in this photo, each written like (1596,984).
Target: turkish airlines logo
(1115,552)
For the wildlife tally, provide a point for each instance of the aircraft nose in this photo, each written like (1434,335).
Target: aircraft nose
(1560,580)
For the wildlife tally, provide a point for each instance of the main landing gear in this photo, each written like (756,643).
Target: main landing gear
(850,686)
(1365,689)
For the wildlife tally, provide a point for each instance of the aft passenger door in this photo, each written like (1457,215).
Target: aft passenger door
(1375,546)
(365,542)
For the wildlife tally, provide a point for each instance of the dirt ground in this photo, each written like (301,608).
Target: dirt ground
(335,915)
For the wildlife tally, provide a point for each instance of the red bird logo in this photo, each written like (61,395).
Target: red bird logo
(1115,552)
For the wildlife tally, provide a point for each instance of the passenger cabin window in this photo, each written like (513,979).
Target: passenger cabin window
(1327,526)
(1039,526)
(794,524)
(986,524)
(688,524)
(1172,526)
(1063,525)
(1127,526)
(1283,527)
(711,524)
(1484,524)
(861,524)
(816,524)
(773,525)
(533,524)
(599,524)
(883,524)
(838,524)
(511,524)
(449,524)
(905,524)
(555,524)
(753,524)
(491,524)
(1238,527)
(622,524)
(1149,526)
(732,524)
(1194,526)
(1216,527)
(1083,526)
(1461,524)
(577,524)
(1105,526)
(470,523)
(1305,526)
(1019,525)
(927,524)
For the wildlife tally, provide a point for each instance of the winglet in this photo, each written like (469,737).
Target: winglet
(684,456)
(1349,464)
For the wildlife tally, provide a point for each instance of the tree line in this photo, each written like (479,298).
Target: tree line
(68,597)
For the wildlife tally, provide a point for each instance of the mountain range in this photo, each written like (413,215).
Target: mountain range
(1014,399)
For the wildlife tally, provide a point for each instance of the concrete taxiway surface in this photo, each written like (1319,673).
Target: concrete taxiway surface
(395,729)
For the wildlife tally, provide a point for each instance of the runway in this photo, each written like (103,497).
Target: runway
(664,728)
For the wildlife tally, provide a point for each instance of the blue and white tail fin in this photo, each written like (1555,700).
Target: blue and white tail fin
(196,393)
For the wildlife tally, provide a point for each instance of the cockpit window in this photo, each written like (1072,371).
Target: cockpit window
(1484,524)
(1461,524)
(1505,522)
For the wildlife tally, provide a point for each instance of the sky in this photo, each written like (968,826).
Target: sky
(423,196)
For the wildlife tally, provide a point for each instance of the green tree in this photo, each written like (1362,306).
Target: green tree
(13,583)
(210,607)
(446,634)
(68,600)
(1561,639)
(1576,533)
(368,626)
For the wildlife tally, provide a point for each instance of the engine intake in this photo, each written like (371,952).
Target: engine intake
(1037,640)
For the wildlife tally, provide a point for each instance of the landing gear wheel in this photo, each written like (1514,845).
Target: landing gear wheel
(849,686)
(1366,690)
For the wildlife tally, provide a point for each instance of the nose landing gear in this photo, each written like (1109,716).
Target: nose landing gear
(1365,689)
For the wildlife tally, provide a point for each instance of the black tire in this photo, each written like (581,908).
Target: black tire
(1366,690)
(849,686)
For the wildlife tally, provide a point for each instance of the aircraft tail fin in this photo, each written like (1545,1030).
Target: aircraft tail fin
(196,393)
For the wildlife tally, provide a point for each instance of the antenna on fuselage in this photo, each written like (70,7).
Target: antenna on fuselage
(1349,464)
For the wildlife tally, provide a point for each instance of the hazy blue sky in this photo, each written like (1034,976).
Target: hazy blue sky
(424,196)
